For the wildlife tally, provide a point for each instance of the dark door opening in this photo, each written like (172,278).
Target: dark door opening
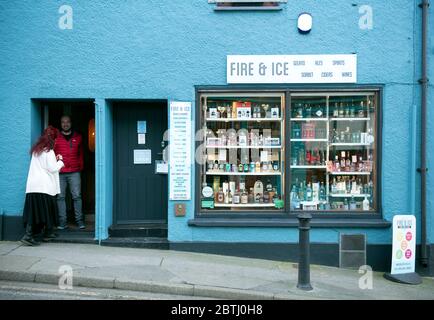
(81,113)
(140,194)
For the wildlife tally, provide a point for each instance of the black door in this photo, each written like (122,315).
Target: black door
(140,195)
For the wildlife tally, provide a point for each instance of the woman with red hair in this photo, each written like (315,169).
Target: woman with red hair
(40,207)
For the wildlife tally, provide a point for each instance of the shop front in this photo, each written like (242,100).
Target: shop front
(212,136)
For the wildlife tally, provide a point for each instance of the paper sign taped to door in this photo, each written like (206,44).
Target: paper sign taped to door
(142,156)
(141,138)
(141,126)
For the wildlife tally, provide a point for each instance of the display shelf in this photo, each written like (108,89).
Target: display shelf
(309,140)
(350,173)
(350,119)
(243,119)
(345,195)
(309,167)
(350,144)
(243,147)
(217,173)
(247,205)
(309,119)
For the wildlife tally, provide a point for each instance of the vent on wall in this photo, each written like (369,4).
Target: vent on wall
(227,5)
(352,251)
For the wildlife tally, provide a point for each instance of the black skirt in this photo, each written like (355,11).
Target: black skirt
(40,210)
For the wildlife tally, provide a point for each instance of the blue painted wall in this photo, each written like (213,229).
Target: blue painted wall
(161,49)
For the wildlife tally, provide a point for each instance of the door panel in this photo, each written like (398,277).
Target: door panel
(140,194)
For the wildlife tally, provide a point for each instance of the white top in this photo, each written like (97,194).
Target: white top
(44,174)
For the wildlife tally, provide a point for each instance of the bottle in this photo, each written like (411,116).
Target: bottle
(334,188)
(337,166)
(346,207)
(336,111)
(269,186)
(361,113)
(341,110)
(295,200)
(229,196)
(353,205)
(240,167)
(299,111)
(220,196)
(348,162)
(343,161)
(244,197)
(236,197)
(352,109)
(301,193)
(251,197)
(308,109)
(322,192)
(347,110)
(309,193)
(366,204)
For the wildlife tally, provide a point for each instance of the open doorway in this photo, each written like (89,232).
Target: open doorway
(82,115)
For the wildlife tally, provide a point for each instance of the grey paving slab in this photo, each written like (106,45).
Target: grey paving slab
(17,263)
(6,247)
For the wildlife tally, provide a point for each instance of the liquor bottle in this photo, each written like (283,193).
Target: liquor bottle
(334,189)
(301,192)
(244,197)
(352,109)
(251,196)
(269,186)
(258,167)
(299,111)
(361,112)
(347,110)
(336,165)
(335,138)
(343,161)
(220,196)
(309,193)
(229,196)
(295,200)
(348,162)
(366,204)
(246,167)
(336,110)
(341,110)
(236,197)
(322,192)
(308,110)
(353,205)
(240,167)
(346,207)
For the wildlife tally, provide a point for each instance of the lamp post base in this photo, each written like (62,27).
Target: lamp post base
(405,278)
(305,287)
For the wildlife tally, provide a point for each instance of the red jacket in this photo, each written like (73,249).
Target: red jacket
(71,151)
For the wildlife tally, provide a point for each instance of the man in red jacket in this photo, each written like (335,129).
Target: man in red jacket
(69,144)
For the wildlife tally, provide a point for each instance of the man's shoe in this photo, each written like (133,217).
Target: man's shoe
(49,237)
(62,227)
(81,225)
(30,242)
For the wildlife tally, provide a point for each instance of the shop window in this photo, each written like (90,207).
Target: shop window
(333,152)
(318,153)
(247,4)
(242,167)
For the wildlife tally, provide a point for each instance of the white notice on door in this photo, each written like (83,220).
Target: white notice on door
(142,156)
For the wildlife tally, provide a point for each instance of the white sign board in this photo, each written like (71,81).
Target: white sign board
(180,151)
(404,244)
(340,68)
(142,156)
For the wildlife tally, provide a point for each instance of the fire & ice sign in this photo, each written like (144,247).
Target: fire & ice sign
(325,68)
(180,151)
(404,244)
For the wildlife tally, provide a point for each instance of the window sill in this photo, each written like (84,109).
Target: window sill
(291,222)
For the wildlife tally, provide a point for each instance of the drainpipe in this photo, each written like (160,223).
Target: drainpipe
(424,84)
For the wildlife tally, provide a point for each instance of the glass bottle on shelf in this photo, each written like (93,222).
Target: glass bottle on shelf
(341,110)
(365,204)
(244,197)
(322,192)
(361,113)
(336,110)
(220,196)
(347,110)
(309,192)
(251,196)
(308,110)
(299,111)
(353,204)
(236,197)
(352,109)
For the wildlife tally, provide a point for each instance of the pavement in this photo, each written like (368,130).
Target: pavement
(192,274)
